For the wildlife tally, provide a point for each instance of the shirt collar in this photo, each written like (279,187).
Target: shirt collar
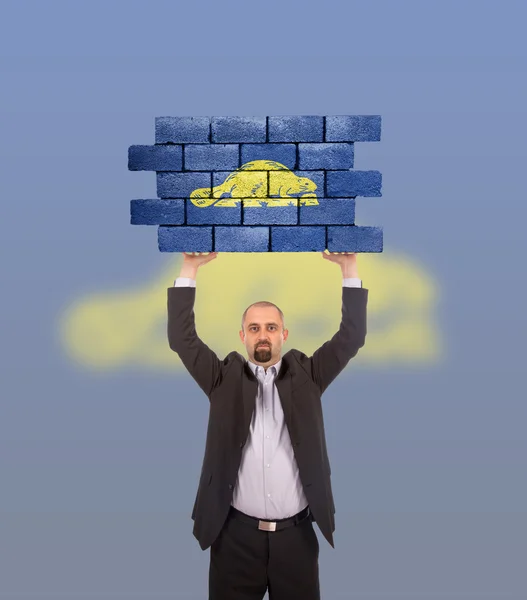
(276,366)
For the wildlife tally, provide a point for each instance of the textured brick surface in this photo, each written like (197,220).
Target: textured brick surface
(238,129)
(345,184)
(353,128)
(325,156)
(270,215)
(330,211)
(284,154)
(317,177)
(184,239)
(296,128)
(234,188)
(214,215)
(157,212)
(355,239)
(241,239)
(182,130)
(154,158)
(180,185)
(269,209)
(213,157)
(298,239)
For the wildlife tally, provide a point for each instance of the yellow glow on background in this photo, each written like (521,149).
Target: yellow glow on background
(110,329)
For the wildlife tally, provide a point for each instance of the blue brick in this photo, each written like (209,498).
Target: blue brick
(330,211)
(353,128)
(284,154)
(184,239)
(253,182)
(182,130)
(347,184)
(355,239)
(232,189)
(157,212)
(296,128)
(325,156)
(214,215)
(180,185)
(154,158)
(213,157)
(294,184)
(317,177)
(298,239)
(238,129)
(241,239)
(270,215)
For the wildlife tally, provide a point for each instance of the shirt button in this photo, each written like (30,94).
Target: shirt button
(267,436)
(268,465)
(268,495)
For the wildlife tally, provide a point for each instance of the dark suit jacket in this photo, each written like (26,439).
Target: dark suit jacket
(232,388)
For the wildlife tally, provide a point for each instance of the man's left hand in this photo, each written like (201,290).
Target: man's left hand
(346,260)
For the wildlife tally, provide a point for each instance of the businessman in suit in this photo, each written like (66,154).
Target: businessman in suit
(266,475)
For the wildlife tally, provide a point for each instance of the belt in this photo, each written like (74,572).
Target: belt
(267,525)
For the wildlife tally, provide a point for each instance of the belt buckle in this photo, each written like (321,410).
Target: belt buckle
(267,525)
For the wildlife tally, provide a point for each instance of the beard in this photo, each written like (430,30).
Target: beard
(262,354)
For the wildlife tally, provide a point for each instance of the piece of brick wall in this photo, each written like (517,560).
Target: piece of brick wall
(258,184)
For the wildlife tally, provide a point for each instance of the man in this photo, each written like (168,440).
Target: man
(266,474)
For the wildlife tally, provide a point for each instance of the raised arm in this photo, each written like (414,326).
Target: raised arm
(200,361)
(331,358)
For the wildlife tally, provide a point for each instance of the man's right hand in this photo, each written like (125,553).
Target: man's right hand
(193,260)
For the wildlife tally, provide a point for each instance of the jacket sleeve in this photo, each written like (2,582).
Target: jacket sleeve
(200,361)
(331,358)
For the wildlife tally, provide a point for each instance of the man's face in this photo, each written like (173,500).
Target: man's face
(263,326)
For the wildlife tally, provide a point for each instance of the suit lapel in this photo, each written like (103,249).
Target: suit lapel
(283,385)
(249,391)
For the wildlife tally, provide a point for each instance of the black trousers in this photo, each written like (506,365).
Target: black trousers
(245,562)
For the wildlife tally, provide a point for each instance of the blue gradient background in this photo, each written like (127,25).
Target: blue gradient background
(98,471)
